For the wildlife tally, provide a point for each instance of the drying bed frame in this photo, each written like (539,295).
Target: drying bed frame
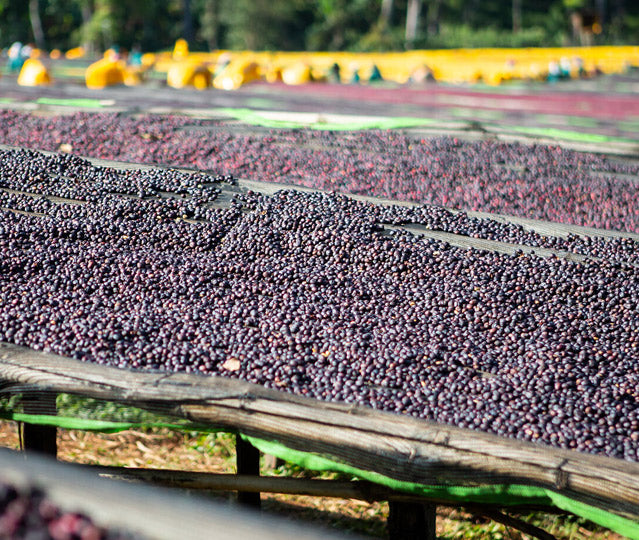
(401,459)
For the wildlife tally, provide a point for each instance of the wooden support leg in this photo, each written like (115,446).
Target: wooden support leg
(248,462)
(37,438)
(411,521)
(272,462)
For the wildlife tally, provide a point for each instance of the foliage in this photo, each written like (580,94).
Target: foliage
(306,24)
(459,36)
(14,22)
(60,19)
(151,25)
(265,24)
(339,24)
(73,406)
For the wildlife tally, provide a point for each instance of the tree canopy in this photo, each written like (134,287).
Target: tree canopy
(317,25)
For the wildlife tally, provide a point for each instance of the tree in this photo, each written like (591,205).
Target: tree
(432,17)
(14,22)
(188,21)
(412,21)
(210,24)
(97,31)
(385,14)
(36,23)
(266,24)
(307,24)
(341,24)
(516,9)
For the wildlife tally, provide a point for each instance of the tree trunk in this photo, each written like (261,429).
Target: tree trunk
(432,17)
(87,14)
(209,24)
(412,21)
(385,13)
(617,18)
(36,23)
(601,11)
(516,15)
(188,21)
(469,12)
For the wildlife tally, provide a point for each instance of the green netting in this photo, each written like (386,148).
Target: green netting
(630,124)
(477,114)
(62,72)
(260,103)
(568,135)
(480,87)
(582,121)
(74,102)
(102,426)
(255,118)
(88,414)
(504,494)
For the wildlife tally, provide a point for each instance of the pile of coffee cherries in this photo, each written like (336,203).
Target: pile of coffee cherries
(533,181)
(27,513)
(307,293)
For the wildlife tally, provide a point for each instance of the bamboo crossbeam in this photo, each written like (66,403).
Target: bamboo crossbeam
(341,489)
(360,490)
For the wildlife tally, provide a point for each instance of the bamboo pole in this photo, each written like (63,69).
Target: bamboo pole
(339,489)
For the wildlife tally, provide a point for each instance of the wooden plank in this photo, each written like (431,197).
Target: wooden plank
(418,512)
(44,369)
(466,242)
(362,490)
(443,463)
(551,228)
(493,132)
(398,447)
(518,524)
(457,240)
(353,489)
(543,227)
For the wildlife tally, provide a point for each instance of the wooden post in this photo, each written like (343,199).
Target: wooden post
(411,521)
(248,462)
(272,462)
(38,438)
